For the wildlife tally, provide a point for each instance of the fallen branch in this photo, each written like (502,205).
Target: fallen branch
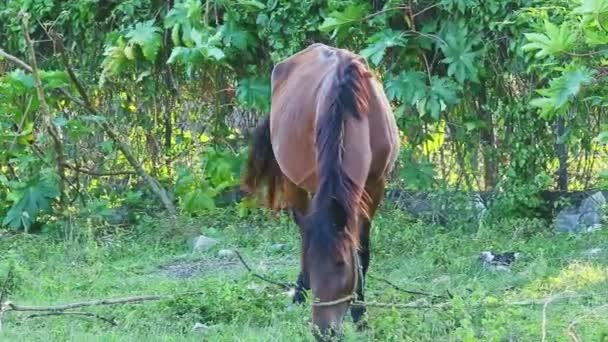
(99,174)
(109,301)
(285,286)
(544,321)
(410,305)
(72,313)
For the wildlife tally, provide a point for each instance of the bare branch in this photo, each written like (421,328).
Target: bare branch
(15,60)
(99,174)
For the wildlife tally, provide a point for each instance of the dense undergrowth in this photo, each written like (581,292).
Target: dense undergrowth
(91,261)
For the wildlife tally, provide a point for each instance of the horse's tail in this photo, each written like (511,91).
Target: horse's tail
(262,166)
(337,193)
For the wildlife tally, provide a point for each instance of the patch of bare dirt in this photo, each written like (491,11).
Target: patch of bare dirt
(193,268)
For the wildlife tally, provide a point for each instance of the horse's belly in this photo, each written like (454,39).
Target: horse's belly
(293,147)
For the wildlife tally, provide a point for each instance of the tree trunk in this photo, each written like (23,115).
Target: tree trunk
(562,155)
(488,142)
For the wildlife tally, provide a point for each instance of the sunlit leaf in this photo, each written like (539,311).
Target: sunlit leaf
(563,88)
(408,87)
(381,41)
(554,41)
(33,199)
(148,37)
(457,47)
(337,20)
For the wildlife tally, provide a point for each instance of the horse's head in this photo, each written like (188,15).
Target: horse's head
(331,260)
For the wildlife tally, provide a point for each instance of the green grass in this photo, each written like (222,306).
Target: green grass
(83,260)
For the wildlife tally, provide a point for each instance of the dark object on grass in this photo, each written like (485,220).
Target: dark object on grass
(497,260)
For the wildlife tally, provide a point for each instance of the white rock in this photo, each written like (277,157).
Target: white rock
(202,243)
(226,254)
(200,327)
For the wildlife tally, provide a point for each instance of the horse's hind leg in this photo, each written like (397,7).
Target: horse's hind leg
(375,190)
(298,201)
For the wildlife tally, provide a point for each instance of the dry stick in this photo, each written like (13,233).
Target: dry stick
(108,129)
(4,292)
(544,322)
(15,60)
(285,286)
(99,174)
(109,301)
(50,127)
(411,305)
(87,314)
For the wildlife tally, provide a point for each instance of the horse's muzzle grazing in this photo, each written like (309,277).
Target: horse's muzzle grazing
(327,322)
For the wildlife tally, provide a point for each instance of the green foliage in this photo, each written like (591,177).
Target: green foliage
(254,93)
(553,42)
(380,42)
(458,52)
(29,199)
(147,36)
(338,22)
(563,88)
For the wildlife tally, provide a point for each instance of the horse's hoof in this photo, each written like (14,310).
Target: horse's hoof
(362,325)
(299,297)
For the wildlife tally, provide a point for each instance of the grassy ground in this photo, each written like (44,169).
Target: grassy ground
(82,262)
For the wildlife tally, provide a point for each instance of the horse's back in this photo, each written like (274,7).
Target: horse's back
(298,85)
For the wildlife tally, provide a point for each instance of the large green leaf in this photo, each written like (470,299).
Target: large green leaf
(254,93)
(234,35)
(563,88)
(555,41)
(115,59)
(339,20)
(457,47)
(380,41)
(443,92)
(30,201)
(148,37)
(408,87)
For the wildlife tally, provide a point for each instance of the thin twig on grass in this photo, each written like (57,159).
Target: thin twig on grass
(396,287)
(285,286)
(544,322)
(110,321)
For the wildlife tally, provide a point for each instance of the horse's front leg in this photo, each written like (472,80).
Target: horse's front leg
(302,283)
(375,190)
(357,312)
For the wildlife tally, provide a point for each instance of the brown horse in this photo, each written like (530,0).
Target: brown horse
(330,132)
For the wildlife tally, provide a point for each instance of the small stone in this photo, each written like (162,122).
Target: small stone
(593,252)
(442,279)
(226,254)
(202,243)
(278,247)
(200,327)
